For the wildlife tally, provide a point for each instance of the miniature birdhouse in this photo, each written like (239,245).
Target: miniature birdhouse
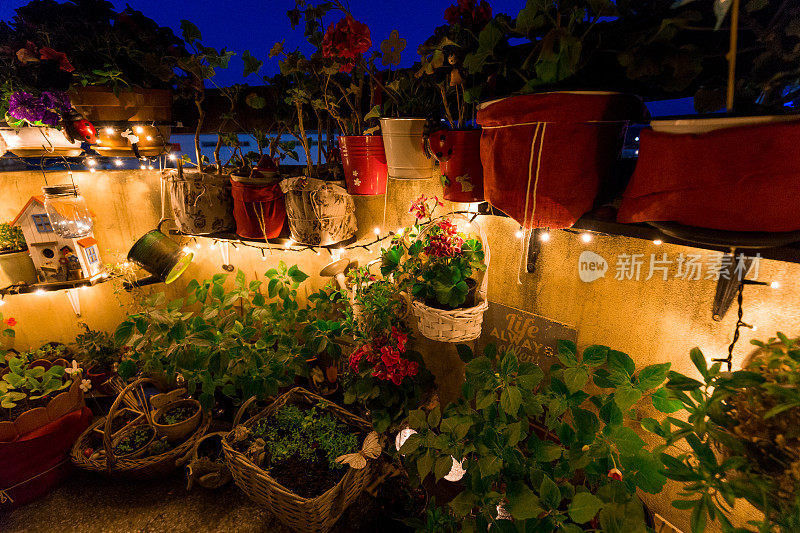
(56,258)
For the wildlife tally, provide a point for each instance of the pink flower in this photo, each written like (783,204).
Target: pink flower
(347,40)
(421,208)
(11,322)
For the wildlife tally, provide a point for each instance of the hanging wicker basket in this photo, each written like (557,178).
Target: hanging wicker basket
(313,515)
(144,467)
(456,325)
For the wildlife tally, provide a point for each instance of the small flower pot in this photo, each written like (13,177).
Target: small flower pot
(16,267)
(459,156)
(98,377)
(202,203)
(259,210)
(125,432)
(179,431)
(364,162)
(405,154)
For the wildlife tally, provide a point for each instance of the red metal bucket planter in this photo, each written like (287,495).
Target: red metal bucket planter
(259,210)
(459,156)
(546,155)
(364,162)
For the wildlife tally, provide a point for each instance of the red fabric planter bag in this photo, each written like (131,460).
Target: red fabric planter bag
(259,210)
(546,155)
(459,157)
(33,464)
(736,179)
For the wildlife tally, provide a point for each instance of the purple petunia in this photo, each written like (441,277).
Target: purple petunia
(58,101)
(43,110)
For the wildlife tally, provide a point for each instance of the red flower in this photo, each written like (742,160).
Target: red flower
(615,473)
(11,321)
(348,39)
(468,13)
(61,57)
(421,209)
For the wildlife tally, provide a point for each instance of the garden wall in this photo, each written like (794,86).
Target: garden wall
(652,321)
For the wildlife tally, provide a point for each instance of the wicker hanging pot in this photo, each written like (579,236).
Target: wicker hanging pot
(201,202)
(456,325)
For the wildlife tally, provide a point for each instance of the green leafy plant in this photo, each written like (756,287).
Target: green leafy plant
(11,238)
(23,384)
(741,429)
(134,440)
(242,342)
(178,414)
(552,455)
(303,433)
(98,348)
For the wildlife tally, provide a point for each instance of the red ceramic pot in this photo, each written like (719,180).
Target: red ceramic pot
(364,162)
(98,377)
(459,156)
(259,210)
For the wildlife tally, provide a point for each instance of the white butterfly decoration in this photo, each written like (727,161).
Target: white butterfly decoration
(370,450)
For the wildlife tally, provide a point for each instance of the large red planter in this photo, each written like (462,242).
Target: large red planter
(364,162)
(35,462)
(546,155)
(259,210)
(744,178)
(459,156)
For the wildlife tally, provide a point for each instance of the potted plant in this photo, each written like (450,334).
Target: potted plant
(752,74)
(383,377)
(547,153)
(439,264)
(547,454)
(457,147)
(741,437)
(177,420)
(101,354)
(133,441)
(302,457)
(319,210)
(16,265)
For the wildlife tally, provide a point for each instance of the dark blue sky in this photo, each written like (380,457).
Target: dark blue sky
(256,25)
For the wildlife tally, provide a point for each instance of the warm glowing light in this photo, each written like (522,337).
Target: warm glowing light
(198,245)
(110,131)
(149,138)
(149,167)
(172,157)
(143,167)
(92,170)
(586,237)
(545,237)
(658,242)
(84,287)
(400,231)
(99,141)
(91,162)
(519,234)
(212,245)
(40,292)
(139,129)
(289,243)
(376,231)
(317,252)
(775,285)
(118,162)
(2,302)
(187,250)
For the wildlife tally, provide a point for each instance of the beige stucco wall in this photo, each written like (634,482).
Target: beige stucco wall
(653,321)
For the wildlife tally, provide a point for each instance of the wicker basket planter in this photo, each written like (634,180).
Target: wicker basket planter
(320,213)
(315,515)
(202,202)
(105,462)
(456,325)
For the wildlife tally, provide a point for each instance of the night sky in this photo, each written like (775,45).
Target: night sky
(256,25)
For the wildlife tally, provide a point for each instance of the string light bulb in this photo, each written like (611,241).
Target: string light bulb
(172,157)
(289,243)
(376,231)
(118,162)
(110,131)
(520,233)
(658,242)
(775,285)
(586,237)
(187,250)
(139,129)
(545,237)
(149,138)
(40,292)
(143,167)
(91,162)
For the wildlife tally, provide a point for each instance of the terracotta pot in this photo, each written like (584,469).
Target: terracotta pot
(98,378)
(405,154)
(181,430)
(201,202)
(364,162)
(29,141)
(459,157)
(16,267)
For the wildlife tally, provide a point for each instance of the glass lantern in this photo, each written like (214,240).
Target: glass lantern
(67,211)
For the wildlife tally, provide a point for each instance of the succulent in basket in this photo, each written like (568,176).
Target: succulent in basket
(11,239)
(742,435)
(438,262)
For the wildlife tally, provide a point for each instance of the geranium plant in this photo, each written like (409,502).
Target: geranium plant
(547,453)
(742,432)
(436,260)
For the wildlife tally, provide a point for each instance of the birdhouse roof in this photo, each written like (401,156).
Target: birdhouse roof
(86,242)
(39,199)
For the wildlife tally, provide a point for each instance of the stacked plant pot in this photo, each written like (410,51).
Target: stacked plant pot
(258,202)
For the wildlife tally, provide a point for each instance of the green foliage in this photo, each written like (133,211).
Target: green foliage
(11,238)
(241,342)
(302,433)
(22,384)
(134,440)
(543,449)
(98,347)
(751,416)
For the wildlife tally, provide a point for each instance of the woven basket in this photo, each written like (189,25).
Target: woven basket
(457,325)
(320,213)
(144,467)
(314,515)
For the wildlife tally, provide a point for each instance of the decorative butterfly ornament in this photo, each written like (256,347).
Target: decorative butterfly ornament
(370,450)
